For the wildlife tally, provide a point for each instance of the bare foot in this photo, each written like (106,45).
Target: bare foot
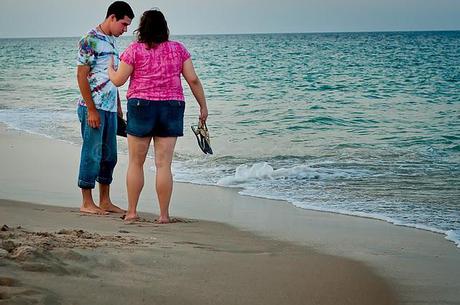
(129,219)
(167,220)
(110,207)
(93,210)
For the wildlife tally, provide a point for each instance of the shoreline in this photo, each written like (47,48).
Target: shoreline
(377,217)
(420,266)
(446,234)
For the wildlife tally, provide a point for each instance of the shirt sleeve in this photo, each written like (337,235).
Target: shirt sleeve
(184,53)
(128,55)
(86,51)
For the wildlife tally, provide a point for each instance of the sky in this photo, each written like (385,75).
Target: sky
(72,18)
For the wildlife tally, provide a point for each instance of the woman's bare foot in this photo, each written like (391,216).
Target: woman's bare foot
(164,220)
(110,207)
(129,219)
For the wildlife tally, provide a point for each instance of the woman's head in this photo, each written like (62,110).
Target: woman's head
(153,28)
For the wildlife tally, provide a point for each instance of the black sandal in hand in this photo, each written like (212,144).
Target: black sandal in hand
(202,135)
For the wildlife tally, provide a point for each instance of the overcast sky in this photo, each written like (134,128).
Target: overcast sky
(69,18)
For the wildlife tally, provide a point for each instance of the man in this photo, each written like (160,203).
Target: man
(98,107)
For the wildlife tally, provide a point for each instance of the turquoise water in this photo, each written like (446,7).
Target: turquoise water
(365,124)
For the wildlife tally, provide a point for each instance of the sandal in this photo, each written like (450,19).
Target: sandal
(202,135)
(121,127)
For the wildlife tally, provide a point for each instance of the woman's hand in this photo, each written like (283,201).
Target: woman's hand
(111,66)
(203,114)
(121,75)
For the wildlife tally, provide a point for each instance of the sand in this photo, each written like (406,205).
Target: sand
(56,255)
(255,251)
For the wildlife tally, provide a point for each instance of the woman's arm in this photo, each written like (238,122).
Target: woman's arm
(188,71)
(120,76)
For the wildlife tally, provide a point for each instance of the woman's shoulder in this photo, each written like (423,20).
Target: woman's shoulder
(135,45)
(176,44)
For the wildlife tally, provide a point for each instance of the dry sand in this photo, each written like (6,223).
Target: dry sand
(420,267)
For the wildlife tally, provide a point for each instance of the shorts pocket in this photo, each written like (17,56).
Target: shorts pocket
(134,102)
(139,108)
(175,104)
(176,110)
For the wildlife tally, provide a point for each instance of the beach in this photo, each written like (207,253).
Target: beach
(228,248)
(56,255)
(68,258)
(333,122)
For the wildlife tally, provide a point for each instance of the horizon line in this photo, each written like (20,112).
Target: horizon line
(258,33)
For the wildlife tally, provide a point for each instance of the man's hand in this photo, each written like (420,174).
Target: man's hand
(94,121)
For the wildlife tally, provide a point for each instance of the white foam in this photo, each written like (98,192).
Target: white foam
(264,171)
(454,235)
(47,124)
(261,180)
(244,173)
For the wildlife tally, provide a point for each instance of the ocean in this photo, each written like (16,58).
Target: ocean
(364,124)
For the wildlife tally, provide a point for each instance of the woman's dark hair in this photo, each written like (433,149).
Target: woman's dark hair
(152,29)
(120,9)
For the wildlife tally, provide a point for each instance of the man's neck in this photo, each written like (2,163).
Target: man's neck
(104,28)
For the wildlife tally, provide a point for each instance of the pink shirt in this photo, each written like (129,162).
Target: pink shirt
(156,74)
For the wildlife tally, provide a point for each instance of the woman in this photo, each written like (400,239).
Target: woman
(155,105)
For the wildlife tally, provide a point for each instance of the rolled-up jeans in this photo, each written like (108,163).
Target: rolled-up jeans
(99,149)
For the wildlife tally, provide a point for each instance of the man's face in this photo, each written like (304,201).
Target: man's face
(119,27)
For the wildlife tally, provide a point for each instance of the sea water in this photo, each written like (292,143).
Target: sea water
(365,124)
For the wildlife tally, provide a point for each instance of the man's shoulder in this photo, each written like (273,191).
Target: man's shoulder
(92,35)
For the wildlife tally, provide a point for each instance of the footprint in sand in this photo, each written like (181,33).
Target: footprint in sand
(12,292)
(5,287)
(7,281)
(9,288)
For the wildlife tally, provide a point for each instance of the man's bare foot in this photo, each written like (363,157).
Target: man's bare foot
(110,207)
(92,210)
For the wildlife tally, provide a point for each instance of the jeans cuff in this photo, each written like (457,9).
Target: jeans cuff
(103,180)
(85,185)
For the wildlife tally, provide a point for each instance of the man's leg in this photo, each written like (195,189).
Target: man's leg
(105,202)
(164,149)
(89,163)
(108,160)
(88,205)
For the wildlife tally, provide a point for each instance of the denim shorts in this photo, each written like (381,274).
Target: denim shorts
(155,118)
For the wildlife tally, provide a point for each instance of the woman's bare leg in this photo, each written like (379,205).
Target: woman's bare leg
(138,148)
(164,150)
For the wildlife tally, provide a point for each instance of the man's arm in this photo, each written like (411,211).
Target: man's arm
(85,90)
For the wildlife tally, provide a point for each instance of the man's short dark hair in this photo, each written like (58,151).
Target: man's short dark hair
(120,9)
